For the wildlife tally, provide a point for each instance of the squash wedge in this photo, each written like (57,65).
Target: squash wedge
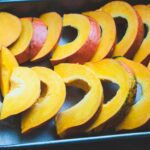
(69,121)
(139,114)
(116,109)
(49,103)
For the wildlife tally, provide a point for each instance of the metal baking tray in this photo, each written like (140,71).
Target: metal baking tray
(10,135)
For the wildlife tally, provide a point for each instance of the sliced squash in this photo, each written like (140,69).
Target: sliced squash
(116,109)
(54,23)
(143,53)
(108,38)
(21,48)
(7,64)
(24,91)
(133,36)
(52,97)
(69,121)
(10,28)
(139,114)
(83,48)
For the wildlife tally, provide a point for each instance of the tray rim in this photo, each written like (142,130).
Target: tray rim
(120,136)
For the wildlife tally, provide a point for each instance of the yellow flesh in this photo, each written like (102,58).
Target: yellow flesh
(108,33)
(83,27)
(124,10)
(8,63)
(10,28)
(144,49)
(111,70)
(54,24)
(24,91)
(49,104)
(140,112)
(25,38)
(83,111)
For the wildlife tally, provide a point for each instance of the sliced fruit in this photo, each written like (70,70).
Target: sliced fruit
(24,91)
(139,113)
(8,63)
(69,121)
(133,37)
(84,46)
(39,36)
(48,104)
(10,28)
(143,53)
(54,23)
(108,37)
(21,48)
(116,109)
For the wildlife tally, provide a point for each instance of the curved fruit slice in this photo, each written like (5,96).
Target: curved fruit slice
(139,114)
(21,48)
(24,91)
(8,63)
(70,121)
(10,28)
(133,37)
(84,46)
(108,38)
(143,54)
(50,101)
(39,36)
(54,24)
(113,111)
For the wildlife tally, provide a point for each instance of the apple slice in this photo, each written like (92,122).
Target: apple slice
(133,37)
(143,53)
(21,48)
(39,36)
(139,114)
(117,108)
(72,120)
(54,23)
(108,39)
(48,104)
(10,28)
(83,48)
(7,64)
(24,91)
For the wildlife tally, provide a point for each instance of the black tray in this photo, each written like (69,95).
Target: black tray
(10,135)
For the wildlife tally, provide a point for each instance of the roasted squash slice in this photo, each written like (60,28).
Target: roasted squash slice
(113,111)
(139,114)
(143,53)
(69,121)
(48,104)
(108,38)
(10,29)
(23,93)
(133,37)
(21,48)
(83,48)
(54,23)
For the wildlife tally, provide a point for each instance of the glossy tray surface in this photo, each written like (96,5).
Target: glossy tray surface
(10,136)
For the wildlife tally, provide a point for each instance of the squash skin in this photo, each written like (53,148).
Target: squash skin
(141,120)
(73,120)
(109,123)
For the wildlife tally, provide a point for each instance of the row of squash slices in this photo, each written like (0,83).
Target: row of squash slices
(38,93)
